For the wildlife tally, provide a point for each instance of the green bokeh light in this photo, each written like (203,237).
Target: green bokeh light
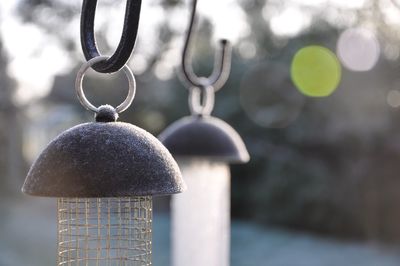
(316,71)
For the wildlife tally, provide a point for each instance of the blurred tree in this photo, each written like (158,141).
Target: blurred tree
(12,164)
(332,169)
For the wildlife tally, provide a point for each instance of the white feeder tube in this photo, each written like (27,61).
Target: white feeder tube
(201,215)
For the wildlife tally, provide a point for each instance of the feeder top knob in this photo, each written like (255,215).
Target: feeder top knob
(106,114)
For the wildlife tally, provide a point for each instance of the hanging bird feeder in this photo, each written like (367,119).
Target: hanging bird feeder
(104,175)
(204,146)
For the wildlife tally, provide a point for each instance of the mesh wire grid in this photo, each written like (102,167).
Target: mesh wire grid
(104,231)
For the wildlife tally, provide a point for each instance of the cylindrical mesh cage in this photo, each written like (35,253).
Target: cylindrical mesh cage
(104,231)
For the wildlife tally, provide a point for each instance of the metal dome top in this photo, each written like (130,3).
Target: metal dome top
(104,160)
(205,136)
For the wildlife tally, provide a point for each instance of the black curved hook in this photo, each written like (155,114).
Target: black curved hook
(222,65)
(126,44)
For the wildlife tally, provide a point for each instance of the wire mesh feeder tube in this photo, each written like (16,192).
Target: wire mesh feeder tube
(104,231)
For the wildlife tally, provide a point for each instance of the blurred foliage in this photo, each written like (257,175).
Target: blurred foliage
(332,168)
(12,165)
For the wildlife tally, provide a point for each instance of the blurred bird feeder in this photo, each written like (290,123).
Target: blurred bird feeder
(204,147)
(104,175)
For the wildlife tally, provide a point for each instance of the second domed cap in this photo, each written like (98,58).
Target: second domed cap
(205,137)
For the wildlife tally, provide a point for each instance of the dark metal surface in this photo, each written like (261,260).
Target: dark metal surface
(126,44)
(222,65)
(106,114)
(104,160)
(206,136)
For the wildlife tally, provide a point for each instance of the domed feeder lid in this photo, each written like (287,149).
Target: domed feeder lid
(104,160)
(205,137)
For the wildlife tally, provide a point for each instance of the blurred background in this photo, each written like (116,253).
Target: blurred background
(322,187)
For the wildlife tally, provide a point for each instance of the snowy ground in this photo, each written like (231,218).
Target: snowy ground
(27,237)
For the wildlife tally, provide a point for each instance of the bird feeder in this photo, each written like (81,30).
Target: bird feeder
(104,175)
(204,146)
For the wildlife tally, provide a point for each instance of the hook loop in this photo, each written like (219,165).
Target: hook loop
(222,64)
(81,94)
(126,44)
(201,100)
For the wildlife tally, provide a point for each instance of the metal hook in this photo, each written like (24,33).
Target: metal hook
(222,65)
(126,44)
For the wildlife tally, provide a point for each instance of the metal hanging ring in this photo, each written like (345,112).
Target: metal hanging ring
(81,95)
(126,44)
(201,100)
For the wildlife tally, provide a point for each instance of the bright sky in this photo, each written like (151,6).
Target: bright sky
(36,58)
